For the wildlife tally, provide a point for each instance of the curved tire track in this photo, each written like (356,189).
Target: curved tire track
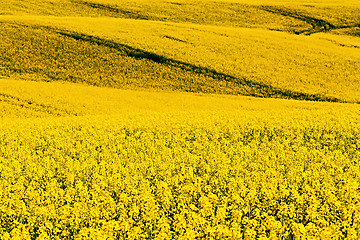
(317,24)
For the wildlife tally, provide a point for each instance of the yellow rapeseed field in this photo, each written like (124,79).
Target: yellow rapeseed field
(126,164)
(179,119)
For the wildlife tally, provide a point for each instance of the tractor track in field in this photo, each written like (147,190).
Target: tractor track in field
(31,105)
(317,24)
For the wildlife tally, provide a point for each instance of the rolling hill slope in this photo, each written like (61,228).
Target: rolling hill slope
(120,45)
(186,57)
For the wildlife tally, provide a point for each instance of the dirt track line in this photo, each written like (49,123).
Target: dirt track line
(318,25)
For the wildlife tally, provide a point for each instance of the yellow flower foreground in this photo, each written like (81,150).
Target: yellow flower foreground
(178,166)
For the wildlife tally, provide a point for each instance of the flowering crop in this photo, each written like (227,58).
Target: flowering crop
(274,169)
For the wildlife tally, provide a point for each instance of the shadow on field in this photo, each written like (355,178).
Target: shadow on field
(113,11)
(253,88)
